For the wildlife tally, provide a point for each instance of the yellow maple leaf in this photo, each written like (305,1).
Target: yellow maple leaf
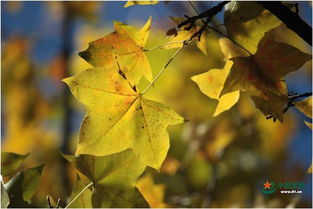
(262,74)
(118,117)
(249,33)
(124,46)
(211,84)
(112,178)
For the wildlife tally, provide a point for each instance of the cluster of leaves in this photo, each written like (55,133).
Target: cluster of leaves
(258,70)
(113,102)
(123,132)
(121,127)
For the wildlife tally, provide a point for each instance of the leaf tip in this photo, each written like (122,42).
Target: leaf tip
(69,158)
(194,78)
(128,4)
(66,80)
(85,55)
(39,167)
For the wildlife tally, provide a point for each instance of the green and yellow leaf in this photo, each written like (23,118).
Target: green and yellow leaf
(118,117)
(211,84)
(121,168)
(125,48)
(248,27)
(84,200)
(10,162)
(262,74)
(123,198)
(113,177)
(23,186)
(5,200)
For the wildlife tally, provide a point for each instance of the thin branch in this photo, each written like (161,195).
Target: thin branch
(222,34)
(297,96)
(77,196)
(58,203)
(49,203)
(195,9)
(165,66)
(292,20)
(185,43)
(291,99)
(210,13)
(162,45)
(216,30)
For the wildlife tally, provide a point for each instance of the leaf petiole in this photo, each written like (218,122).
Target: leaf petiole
(165,66)
(162,45)
(77,196)
(216,30)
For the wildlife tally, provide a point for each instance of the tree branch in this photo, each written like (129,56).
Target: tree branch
(185,43)
(210,13)
(291,99)
(292,20)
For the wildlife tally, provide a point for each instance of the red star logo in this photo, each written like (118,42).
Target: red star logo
(267,185)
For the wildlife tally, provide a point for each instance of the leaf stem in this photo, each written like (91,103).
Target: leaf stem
(77,196)
(165,66)
(291,99)
(296,96)
(210,13)
(195,9)
(162,45)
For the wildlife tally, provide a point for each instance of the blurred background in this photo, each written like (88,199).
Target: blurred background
(213,161)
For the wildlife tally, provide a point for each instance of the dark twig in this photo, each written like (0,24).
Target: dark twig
(292,97)
(297,96)
(50,205)
(58,203)
(207,26)
(202,29)
(209,14)
(292,20)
